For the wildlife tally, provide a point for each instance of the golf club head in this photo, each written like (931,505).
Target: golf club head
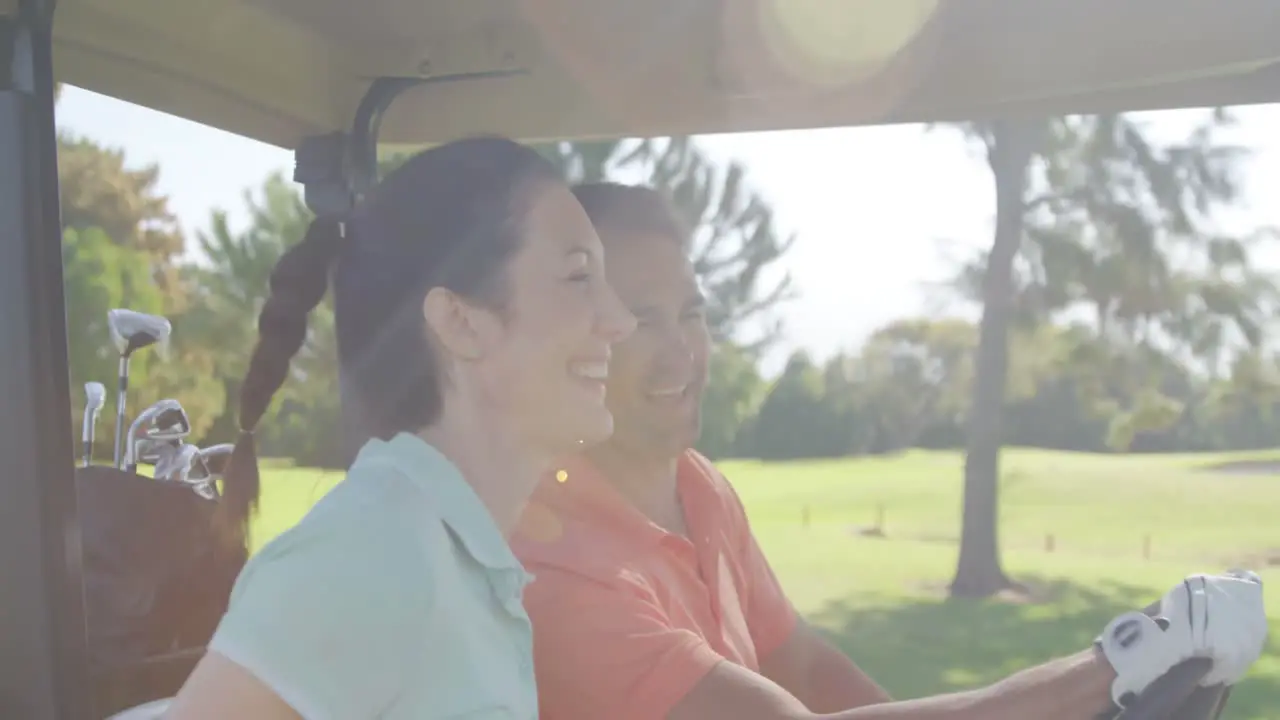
(166,459)
(132,331)
(189,468)
(151,451)
(165,420)
(216,458)
(95,396)
(179,464)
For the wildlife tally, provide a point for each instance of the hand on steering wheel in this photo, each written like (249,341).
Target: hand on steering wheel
(1219,619)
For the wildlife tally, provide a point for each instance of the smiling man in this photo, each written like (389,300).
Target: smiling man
(653,600)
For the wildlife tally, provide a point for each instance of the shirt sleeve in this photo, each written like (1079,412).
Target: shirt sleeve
(604,651)
(771,618)
(327,619)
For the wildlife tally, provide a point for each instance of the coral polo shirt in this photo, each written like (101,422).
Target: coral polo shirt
(627,617)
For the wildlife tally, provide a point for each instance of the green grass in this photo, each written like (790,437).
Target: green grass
(882,600)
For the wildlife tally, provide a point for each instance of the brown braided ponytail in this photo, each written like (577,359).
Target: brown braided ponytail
(298,284)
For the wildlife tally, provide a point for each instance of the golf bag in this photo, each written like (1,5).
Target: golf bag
(157,579)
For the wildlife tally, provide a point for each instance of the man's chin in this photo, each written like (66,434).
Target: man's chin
(677,443)
(658,445)
(654,436)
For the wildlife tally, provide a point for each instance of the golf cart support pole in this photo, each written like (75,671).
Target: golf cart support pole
(43,665)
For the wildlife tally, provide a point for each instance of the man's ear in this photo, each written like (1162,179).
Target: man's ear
(452,321)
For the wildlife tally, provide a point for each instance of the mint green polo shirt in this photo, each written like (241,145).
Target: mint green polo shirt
(396,597)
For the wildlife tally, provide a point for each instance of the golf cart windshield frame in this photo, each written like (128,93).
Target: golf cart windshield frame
(42,627)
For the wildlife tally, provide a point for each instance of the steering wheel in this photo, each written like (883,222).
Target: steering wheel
(1177,695)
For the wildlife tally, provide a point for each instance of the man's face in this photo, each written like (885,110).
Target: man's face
(657,375)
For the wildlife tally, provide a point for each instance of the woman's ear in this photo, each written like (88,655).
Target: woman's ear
(452,321)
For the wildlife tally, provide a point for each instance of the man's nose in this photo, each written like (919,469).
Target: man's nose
(676,357)
(615,322)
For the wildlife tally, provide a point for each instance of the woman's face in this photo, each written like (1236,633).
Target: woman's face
(546,355)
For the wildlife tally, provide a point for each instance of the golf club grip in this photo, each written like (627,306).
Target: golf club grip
(1204,703)
(1164,698)
(87,438)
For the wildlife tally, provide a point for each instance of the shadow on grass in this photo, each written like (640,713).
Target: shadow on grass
(921,647)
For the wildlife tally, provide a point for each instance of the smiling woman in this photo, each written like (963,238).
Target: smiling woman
(475,324)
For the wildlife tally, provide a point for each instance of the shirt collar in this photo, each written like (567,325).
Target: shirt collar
(451,496)
(579,490)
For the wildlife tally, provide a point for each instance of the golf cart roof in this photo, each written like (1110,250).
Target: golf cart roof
(279,70)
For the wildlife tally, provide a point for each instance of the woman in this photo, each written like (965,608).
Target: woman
(475,325)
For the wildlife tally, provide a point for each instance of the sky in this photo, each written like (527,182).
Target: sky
(880,213)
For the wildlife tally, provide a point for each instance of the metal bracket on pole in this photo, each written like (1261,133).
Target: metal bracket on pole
(320,167)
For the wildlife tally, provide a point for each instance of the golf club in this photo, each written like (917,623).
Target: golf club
(169,459)
(216,458)
(149,451)
(95,396)
(131,331)
(187,466)
(165,420)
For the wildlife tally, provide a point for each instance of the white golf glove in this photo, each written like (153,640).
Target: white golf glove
(1220,617)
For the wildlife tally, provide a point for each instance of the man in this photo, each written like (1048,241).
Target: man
(652,599)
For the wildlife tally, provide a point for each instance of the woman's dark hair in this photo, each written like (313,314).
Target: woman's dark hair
(632,210)
(449,217)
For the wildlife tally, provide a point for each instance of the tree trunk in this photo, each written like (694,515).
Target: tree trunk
(979,572)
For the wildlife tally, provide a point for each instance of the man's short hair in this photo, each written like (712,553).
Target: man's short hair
(632,210)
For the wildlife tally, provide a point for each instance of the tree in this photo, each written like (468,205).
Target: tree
(733,395)
(1011,146)
(736,241)
(229,288)
(99,190)
(796,419)
(1240,409)
(123,245)
(915,375)
(98,275)
(1123,228)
